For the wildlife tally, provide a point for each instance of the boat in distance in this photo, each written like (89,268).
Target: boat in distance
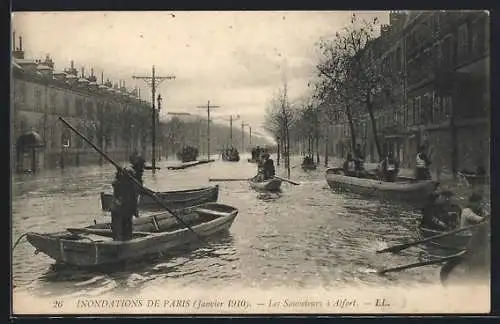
(408,191)
(177,199)
(93,246)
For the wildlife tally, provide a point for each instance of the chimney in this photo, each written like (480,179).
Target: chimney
(72,64)
(92,72)
(102,77)
(17,52)
(83,72)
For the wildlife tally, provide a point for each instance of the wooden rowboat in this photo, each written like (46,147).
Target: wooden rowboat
(173,199)
(457,241)
(252,161)
(271,185)
(407,191)
(152,235)
(309,167)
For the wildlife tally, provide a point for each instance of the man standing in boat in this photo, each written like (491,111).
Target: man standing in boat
(390,168)
(359,158)
(268,166)
(423,163)
(124,205)
(350,166)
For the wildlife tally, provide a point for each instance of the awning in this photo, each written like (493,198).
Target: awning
(30,140)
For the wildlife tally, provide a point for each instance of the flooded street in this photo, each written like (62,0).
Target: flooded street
(308,236)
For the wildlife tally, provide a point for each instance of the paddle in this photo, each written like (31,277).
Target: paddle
(286,180)
(400,247)
(229,179)
(420,264)
(117,166)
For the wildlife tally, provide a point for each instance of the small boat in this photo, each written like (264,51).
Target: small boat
(475,263)
(93,245)
(173,199)
(457,241)
(404,190)
(230,155)
(474,179)
(307,167)
(187,154)
(267,185)
(252,161)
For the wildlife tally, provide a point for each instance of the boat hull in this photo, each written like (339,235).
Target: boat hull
(173,199)
(457,241)
(251,161)
(410,192)
(268,185)
(308,167)
(78,250)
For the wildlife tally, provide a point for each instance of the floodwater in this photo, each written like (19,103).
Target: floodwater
(307,236)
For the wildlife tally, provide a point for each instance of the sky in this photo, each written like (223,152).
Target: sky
(235,60)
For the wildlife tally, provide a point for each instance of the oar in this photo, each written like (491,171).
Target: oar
(229,179)
(147,191)
(400,247)
(147,167)
(286,180)
(420,264)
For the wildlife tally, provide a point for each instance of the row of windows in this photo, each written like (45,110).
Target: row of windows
(83,108)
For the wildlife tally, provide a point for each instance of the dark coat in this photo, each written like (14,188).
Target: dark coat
(269,170)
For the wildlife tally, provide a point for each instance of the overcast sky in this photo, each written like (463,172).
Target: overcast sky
(234,59)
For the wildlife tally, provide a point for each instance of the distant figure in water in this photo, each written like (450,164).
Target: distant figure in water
(423,163)
(124,205)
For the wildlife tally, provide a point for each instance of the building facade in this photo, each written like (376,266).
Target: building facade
(439,63)
(111,116)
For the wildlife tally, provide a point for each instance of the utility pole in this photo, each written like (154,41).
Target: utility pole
(153,81)
(208,107)
(250,128)
(243,124)
(231,119)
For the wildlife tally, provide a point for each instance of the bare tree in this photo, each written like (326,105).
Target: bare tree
(349,78)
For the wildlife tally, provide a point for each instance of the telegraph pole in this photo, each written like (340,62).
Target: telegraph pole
(153,81)
(243,124)
(250,128)
(208,107)
(231,119)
